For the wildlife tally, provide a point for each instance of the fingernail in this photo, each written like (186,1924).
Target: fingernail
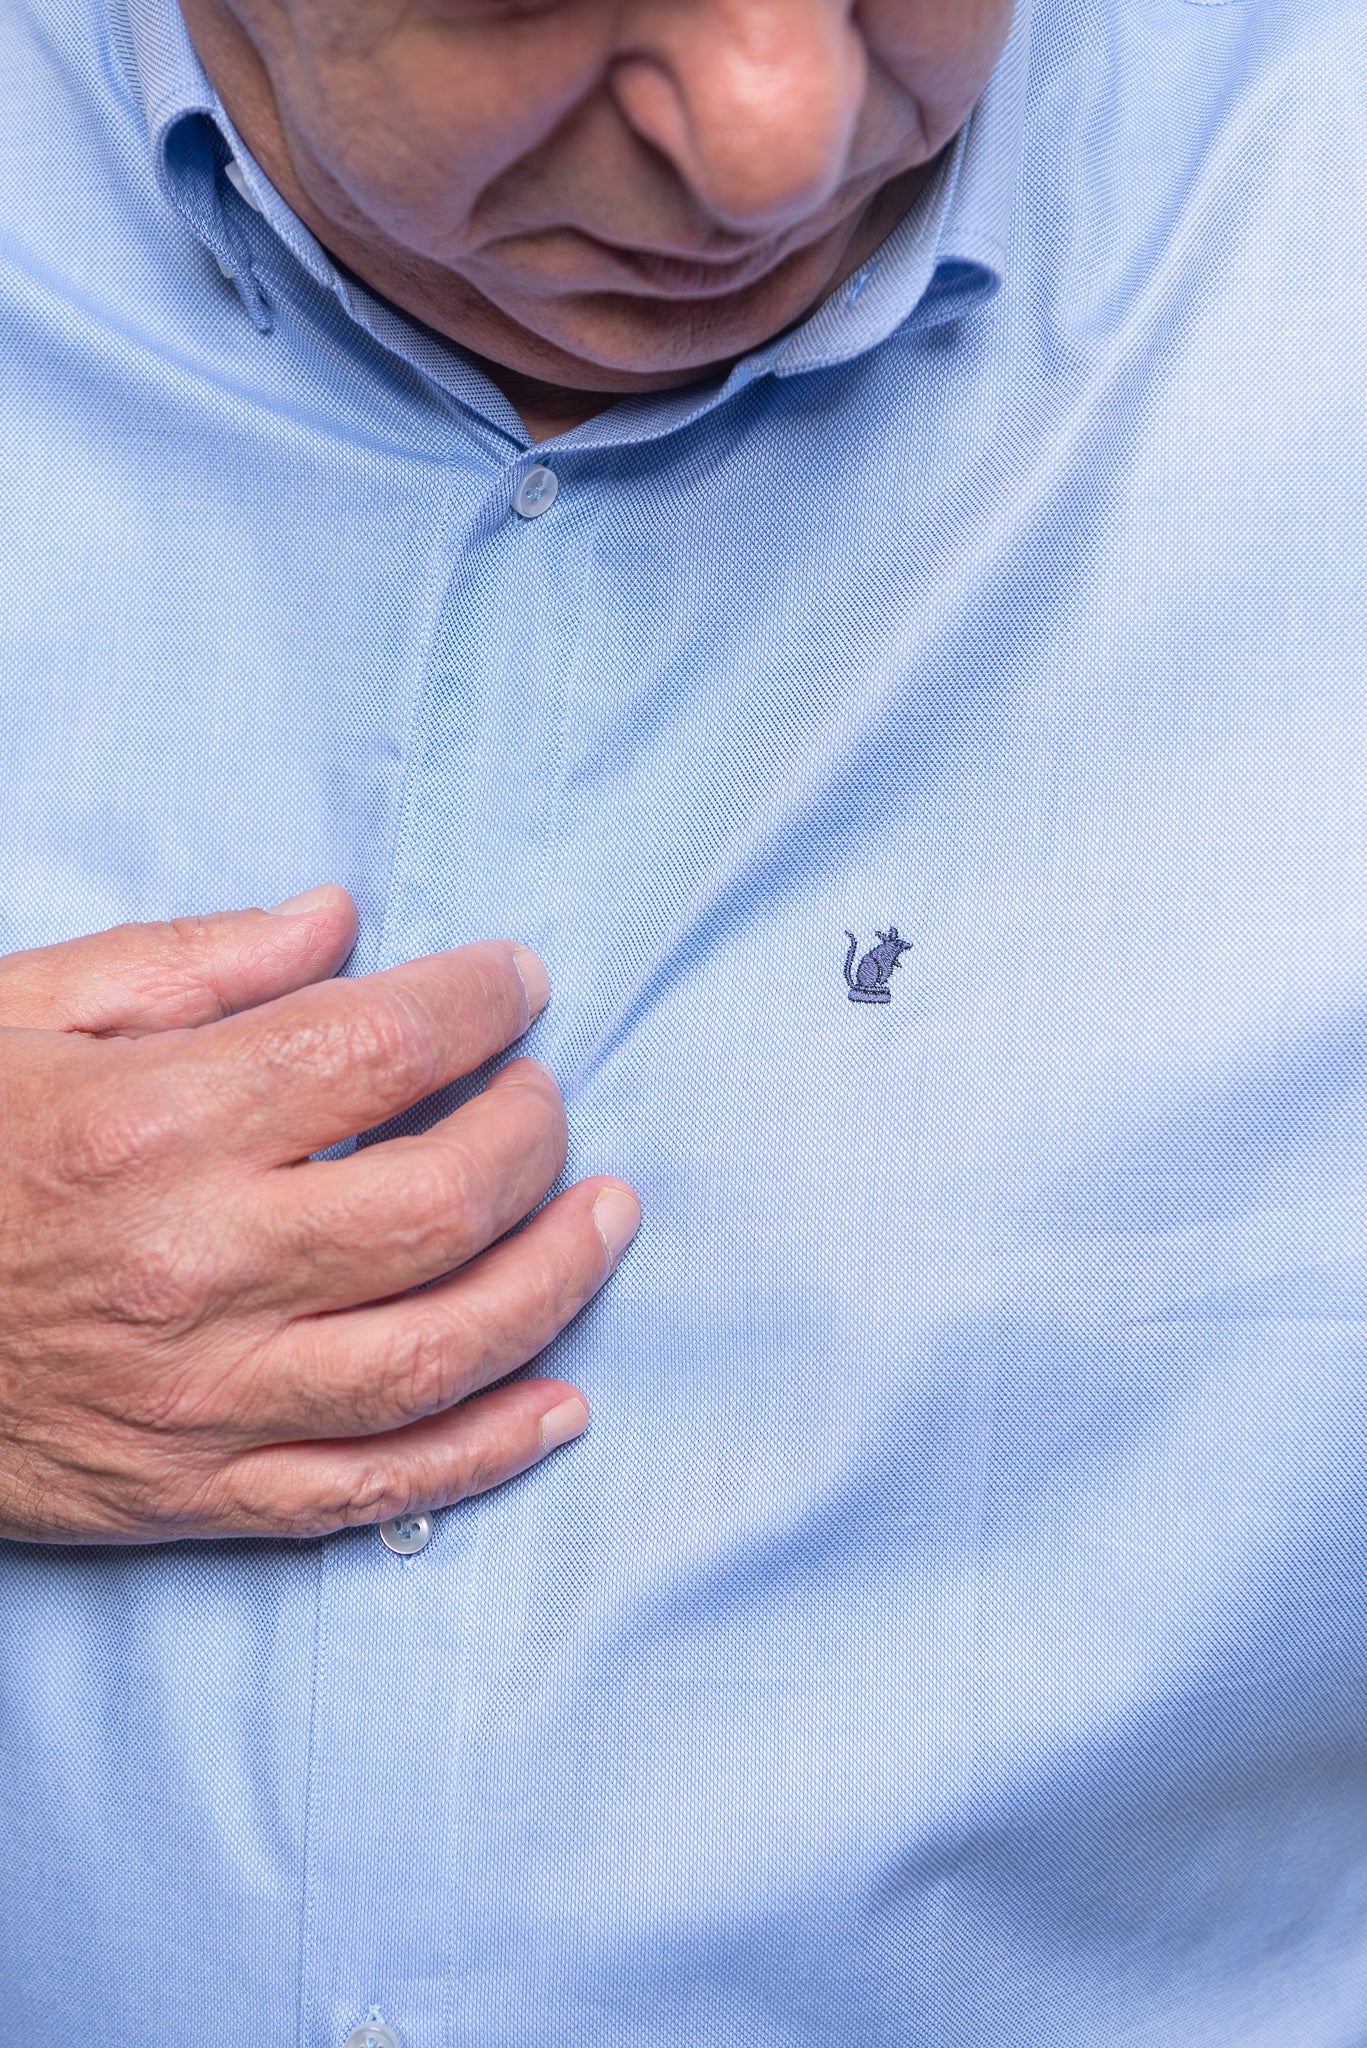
(535,979)
(617,1214)
(312,899)
(563,1424)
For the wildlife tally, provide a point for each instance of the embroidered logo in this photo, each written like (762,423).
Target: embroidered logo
(869,982)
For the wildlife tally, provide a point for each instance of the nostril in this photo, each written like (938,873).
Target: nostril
(649,98)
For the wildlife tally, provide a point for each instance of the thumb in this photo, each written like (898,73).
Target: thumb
(162,977)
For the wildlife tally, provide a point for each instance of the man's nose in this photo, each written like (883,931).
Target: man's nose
(754,102)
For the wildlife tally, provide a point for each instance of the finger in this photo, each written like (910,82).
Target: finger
(311,1489)
(142,978)
(382,1367)
(294,1076)
(396,1215)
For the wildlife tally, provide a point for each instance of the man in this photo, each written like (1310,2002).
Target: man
(829,540)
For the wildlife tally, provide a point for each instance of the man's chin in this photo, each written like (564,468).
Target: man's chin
(628,341)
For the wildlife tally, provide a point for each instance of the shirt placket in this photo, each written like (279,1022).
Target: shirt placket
(417,1618)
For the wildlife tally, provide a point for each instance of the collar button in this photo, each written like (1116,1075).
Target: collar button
(536,492)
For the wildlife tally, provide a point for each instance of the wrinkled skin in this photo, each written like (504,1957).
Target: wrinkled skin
(205,1333)
(599,196)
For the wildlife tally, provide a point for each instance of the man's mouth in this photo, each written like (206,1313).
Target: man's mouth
(690,277)
(577,260)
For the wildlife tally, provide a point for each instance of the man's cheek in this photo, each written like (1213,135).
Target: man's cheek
(940,57)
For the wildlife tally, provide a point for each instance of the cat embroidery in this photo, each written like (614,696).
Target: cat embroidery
(869,982)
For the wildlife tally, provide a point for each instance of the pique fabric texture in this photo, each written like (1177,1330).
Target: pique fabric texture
(950,1633)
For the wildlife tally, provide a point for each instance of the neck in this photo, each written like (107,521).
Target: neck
(545,409)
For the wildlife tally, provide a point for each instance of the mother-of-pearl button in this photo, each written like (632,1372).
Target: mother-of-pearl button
(407,1533)
(373,2034)
(536,492)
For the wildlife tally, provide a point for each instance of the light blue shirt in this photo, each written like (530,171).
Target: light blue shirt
(950,1633)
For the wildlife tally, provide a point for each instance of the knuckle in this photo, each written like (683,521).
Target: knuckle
(376,1034)
(358,1495)
(165,1288)
(561,1282)
(422,1378)
(141,1499)
(523,1131)
(416,1372)
(388,1034)
(183,971)
(222,1505)
(120,1134)
(447,1194)
(256,1497)
(189,937)
(353,1500)
(377,1493)
(374,1496)
(481,1472)
(458,1197)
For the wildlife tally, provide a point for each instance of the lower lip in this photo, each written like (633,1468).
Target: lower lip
(680,277)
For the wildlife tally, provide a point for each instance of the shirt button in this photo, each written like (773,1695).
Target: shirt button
(536,493)
(373,2034)
(405,1534)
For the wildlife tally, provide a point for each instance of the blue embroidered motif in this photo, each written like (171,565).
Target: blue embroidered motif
(869,982)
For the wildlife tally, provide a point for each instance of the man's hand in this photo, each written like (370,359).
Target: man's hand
(203,1332)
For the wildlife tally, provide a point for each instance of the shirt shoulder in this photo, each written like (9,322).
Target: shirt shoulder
(85,223)
(1197,149)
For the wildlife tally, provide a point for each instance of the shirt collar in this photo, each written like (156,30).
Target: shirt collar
(946,257)
(948,254)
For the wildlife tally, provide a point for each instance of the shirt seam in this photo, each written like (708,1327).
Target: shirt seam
(304,2000)
(440,573)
